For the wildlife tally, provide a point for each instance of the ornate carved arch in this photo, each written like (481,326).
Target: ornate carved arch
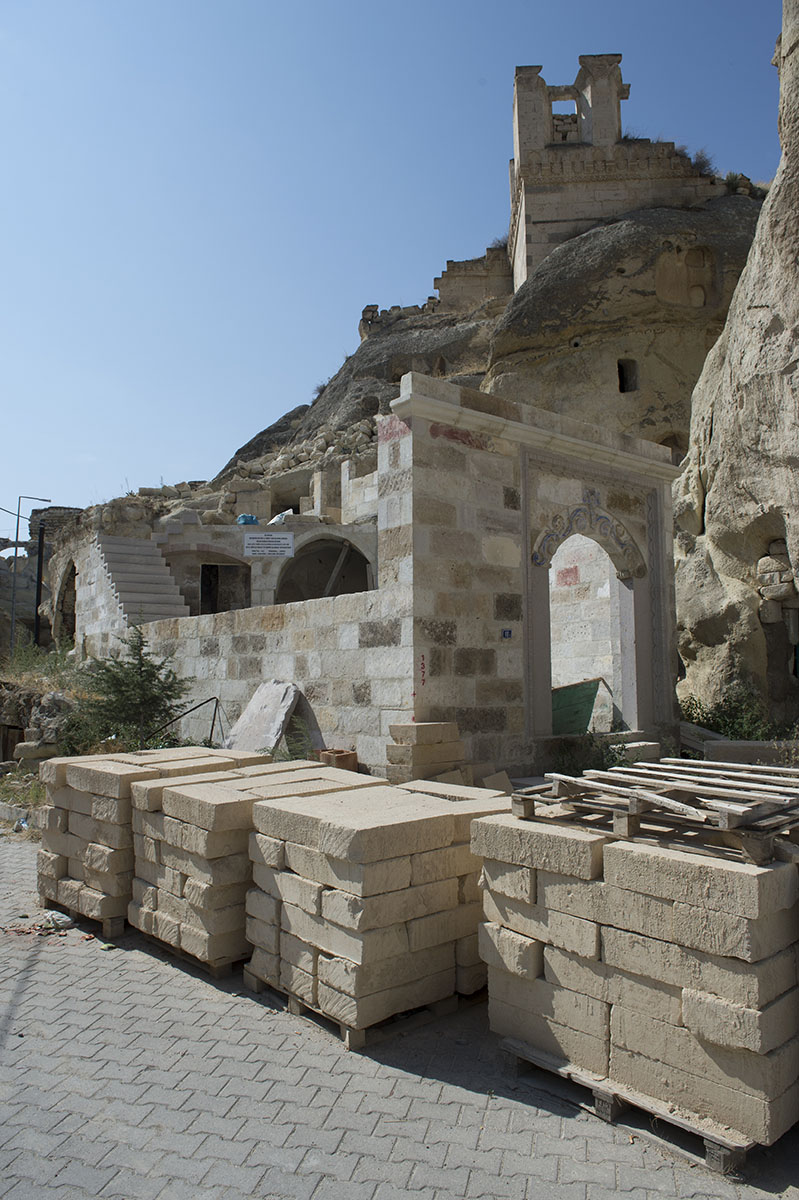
(590,519)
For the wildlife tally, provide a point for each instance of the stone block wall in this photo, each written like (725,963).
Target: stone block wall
(349,655)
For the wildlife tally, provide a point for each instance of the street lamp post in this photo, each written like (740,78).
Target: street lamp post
(43,500)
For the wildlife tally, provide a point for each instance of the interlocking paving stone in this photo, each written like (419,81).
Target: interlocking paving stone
(125,1074)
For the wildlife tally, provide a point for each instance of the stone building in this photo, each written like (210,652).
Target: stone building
(477,505)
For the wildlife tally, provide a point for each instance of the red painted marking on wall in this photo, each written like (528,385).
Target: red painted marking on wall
(465,437)
(567,576)
(390,428)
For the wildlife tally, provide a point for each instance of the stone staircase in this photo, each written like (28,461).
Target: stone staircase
(141,579)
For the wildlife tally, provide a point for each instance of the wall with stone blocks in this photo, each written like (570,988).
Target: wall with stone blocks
(349,655)
(673,974)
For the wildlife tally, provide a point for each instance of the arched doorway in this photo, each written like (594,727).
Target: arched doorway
(607,619)
(585,638)
(324,567)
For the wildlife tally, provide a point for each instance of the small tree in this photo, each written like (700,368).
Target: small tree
(128,697)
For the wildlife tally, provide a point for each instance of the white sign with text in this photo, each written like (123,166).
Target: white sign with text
(269,544)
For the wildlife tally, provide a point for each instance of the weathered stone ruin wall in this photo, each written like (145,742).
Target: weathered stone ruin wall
(737,499)
(569,175)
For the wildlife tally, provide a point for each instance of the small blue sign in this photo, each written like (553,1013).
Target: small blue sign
(506,633)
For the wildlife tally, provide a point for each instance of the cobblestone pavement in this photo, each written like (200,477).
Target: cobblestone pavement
(126,1074)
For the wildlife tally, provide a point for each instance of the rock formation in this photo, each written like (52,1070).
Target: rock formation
(622,317)
(738,499)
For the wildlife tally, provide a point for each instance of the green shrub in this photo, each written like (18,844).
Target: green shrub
(128,699)
(740,715)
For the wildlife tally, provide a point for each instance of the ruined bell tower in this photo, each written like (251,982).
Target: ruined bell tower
(571,168)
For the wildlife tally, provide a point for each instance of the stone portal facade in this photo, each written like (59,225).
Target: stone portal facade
(474,498)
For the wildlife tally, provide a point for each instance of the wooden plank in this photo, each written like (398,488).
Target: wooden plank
(714,764)
(733,795)
(752,783)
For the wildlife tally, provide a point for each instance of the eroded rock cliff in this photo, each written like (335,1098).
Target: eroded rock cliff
(737,501)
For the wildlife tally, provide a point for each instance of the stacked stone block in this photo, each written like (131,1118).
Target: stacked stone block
(423,749)
(86,860)
(671,974)
(193,870)
(365,901)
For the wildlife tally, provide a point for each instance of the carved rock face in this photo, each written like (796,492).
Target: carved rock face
(615,324)
(739,492)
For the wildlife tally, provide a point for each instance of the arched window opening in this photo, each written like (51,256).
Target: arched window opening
(325,567)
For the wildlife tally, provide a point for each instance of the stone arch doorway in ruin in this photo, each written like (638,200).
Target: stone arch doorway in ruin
(591,620)
(324,566)
(64,607)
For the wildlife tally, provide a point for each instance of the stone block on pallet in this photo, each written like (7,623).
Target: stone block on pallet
(374,912)
(298,953)
(369,1010)
(265,966)
(363,980)
(593,978)
(262,935)
(106,777)
(764,1075)
(509,879)
(701,880)
(725,1024)
(541,1033)
(370,946)
(362,879)
(583,1013)
(564,850)
(733,936)
(206,895)
(297,982)
(214,947)
(118,837)
(267,851)
(545,925)
(211,806)
(500,947)
(437,928)
(51,866)
(293,889)
(445,863)
(370,825)
(111,810)
(762,1121)
(752,985)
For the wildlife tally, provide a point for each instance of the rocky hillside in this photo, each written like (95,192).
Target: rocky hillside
(454,346)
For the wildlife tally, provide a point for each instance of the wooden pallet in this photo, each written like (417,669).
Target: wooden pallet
(112,927)
(721,1150)
(749,808)
(358,1039)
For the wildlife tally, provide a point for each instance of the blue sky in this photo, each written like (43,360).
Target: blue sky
(200,196)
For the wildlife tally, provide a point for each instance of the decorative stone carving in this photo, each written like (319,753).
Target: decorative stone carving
(591,519)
